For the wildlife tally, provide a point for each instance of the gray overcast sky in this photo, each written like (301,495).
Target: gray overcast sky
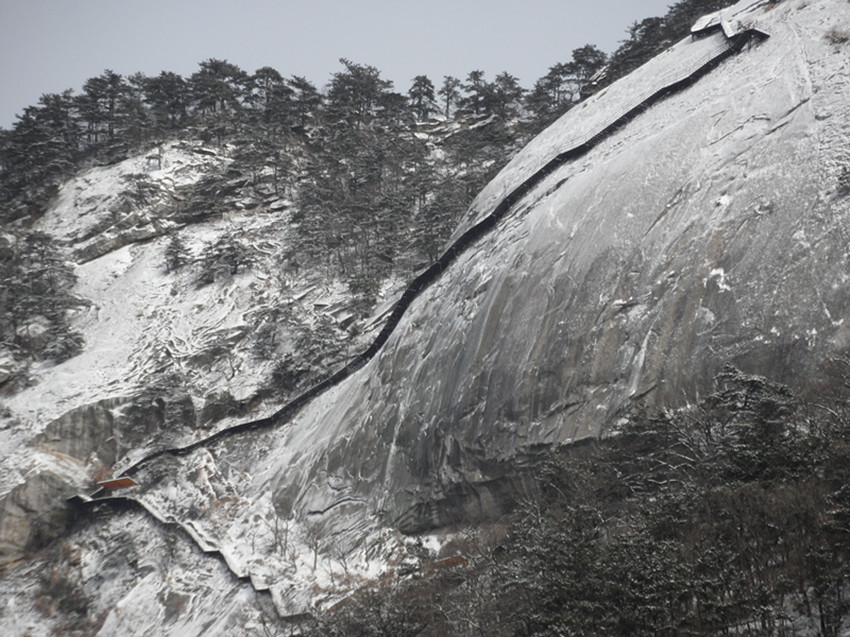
(47,46)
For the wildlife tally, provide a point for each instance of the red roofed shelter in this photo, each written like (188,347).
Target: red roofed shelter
(117,483)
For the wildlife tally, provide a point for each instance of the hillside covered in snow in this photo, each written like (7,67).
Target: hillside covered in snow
(308,408)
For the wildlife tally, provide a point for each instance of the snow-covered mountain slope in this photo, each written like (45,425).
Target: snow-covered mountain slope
(708,230)
(166,359)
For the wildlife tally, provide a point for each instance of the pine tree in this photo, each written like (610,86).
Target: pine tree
(504,96)
(539,100)
(477,96)
(355,93)
(438,217)
(306,101)
(36,154)
(586,61)
(37,295)
(99,105)
(269,94)
(134,116)
(450,92)
(217,86)
(421,96)
(167,95)
(223,258)
(176,253)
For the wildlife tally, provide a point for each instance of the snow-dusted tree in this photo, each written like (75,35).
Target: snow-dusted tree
(450,92)
(36,294)
(39,150)
(539,99)
(355,93)
(223,258)
(477,92)
(134,117)
(270,95)
(217,87)
(176,253)
(438,217)
(421,96)
(505,95)
(99,105)
(167,95)
(586,61)
(306,100)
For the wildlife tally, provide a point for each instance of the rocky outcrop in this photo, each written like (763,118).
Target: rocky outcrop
(133,228)
(86,433)
(633,270)
(88,440)
(102,432)
(33,513)
(8,367)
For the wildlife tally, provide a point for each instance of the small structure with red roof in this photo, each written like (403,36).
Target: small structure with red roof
(117,483)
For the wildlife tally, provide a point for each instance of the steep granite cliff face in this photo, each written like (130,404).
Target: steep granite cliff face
(709,230)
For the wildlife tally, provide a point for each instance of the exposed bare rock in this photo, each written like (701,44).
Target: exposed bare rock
(33,513)
(84,433)
(102,432)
